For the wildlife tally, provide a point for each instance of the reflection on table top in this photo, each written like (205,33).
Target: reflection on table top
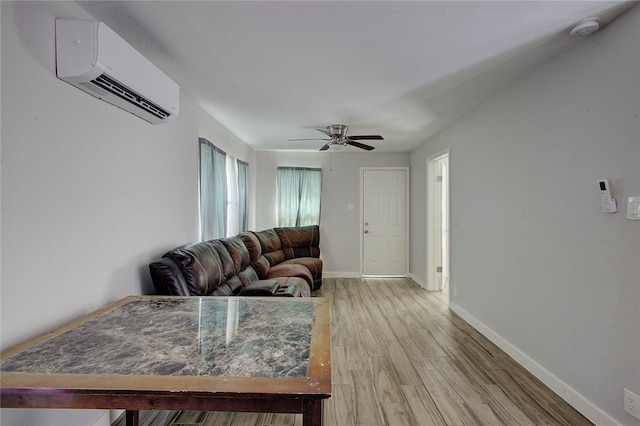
(192,336)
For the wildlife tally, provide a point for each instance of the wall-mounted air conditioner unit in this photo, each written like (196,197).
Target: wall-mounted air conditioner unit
(92,57)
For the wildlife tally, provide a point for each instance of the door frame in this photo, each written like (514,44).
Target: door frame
(432,231)
(407,175)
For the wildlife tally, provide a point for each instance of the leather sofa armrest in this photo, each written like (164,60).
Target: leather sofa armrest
(260,288)
(168,279)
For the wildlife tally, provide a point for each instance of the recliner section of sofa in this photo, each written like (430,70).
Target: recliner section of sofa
(247,264)
(291,251)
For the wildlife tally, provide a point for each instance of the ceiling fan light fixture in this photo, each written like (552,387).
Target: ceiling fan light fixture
(338,138)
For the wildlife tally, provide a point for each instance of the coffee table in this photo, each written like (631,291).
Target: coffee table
(246,354)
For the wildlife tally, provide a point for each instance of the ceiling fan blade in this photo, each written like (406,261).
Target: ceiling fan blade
(325,147)
(312,139)
(359,145)
(367,137)
(325,132)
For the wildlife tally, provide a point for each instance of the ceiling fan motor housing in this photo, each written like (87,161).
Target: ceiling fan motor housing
(338,130)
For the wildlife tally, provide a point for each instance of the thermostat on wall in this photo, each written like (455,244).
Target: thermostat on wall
(608,202)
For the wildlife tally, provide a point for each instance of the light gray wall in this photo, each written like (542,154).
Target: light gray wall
(339,227)
(90,194)
(535,261)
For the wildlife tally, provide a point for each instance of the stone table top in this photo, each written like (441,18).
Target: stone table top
(190,336)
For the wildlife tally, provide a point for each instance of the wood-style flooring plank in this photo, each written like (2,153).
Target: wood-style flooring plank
(483,414)
(190,418)
(446,399)
(339,410)
(505,409)
(397,414)
(367,409)
(247,419)
(519,394)
(566,415)
(278,419)
(468,365)
(400,357)
(471,393)
(421,405)
(404,367)
(386,382)
(340,373)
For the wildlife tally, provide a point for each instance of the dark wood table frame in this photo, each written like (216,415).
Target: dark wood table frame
(194,393)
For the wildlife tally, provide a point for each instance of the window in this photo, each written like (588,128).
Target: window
(223,193)
(237,172)
(232,197)
(243,195)
(299,195)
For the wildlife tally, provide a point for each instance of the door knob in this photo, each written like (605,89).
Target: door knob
(366,232)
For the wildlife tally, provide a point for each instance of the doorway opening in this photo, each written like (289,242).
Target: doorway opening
(438,252)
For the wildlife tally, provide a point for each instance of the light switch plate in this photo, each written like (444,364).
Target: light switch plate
(633,208)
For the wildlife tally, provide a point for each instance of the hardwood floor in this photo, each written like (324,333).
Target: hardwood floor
(401,357)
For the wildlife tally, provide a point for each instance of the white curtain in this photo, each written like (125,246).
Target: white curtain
(299,196)
(243,195)
(213,191)
(223,193)
(232,197)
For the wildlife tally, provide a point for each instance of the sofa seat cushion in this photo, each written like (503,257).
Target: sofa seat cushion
(290,270)
(313,264)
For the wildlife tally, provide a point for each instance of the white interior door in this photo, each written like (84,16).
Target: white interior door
(384,222)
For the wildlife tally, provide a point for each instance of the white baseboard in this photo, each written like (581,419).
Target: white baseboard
(417,281)
(571,396)
(331,274)
(326,274)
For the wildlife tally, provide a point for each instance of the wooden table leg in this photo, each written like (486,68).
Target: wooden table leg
(313,412)
(132,417)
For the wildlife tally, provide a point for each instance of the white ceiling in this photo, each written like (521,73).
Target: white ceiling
(273,71)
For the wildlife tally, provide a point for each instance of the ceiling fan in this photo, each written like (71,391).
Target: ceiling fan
(338,138)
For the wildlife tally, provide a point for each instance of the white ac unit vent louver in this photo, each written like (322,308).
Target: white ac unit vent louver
(90,56)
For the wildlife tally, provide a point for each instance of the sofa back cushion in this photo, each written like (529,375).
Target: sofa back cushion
(271,247)
(252,244)
(299,241)
(241,260)
(259,263)
(231,283)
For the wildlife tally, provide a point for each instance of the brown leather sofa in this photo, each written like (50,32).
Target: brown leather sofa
(273,262)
